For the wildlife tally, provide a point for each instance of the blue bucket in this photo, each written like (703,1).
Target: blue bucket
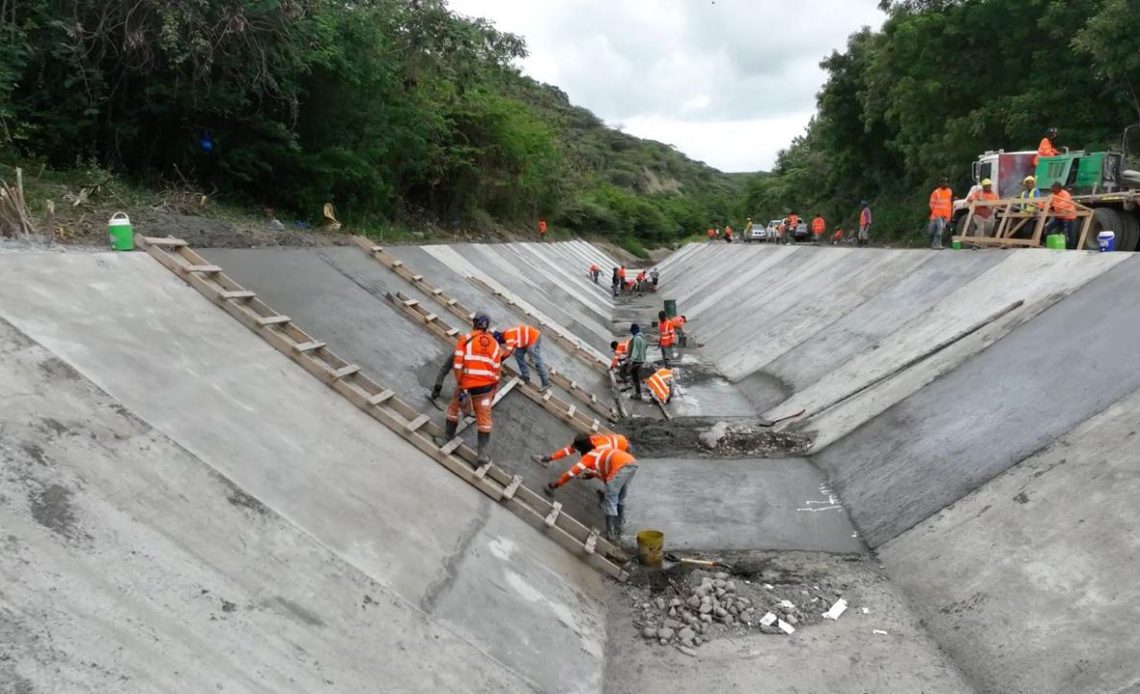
(1107,241)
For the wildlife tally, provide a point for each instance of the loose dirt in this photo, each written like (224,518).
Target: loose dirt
(743,437)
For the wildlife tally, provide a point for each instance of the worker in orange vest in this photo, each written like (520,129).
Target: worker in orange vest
(941,207)
(712,234)
(595,272)
(520,341)
(818,227)
(666,336)
(621,277)
(679,329)
(728,234)
(837,237)
(642,279)
(620,358)
(476,362)
(793,224)
(584,443)
(864,235)
(661,386)
(1064,212)
(782,232)
(1047,148)
(983,219)
(615,468)
(541,229)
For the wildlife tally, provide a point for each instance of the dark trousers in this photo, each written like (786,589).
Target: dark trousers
(635,371)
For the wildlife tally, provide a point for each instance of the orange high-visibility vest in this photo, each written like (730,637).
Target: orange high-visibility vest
(520,337)
(620,354)
(542,226)
(665,332)
(660,384)
(711,233)
(983,212)
(621,274)
(594,268)
(1063,206)
(1045,149)
(793,221)
(598,463)
(941,203)
(599,442)
(818,226)
(678,322)
(477,360)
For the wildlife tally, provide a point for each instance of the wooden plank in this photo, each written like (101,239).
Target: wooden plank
(381,397)
(418,422)
(346,371)
(303,347)
(237,295)
(552,517)
(264,321)
(591,545)
(168,242)
(208,269)
(509,492)
(451,445)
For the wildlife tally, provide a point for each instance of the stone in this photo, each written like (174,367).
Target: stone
(665,633)
(721,592)
(663,642)
(649,633)
(672,611)
(675,602)
(722,575)
(730,586)
(686,634)
(706,600)
(720,583)
(707,618)
(687,651)
(729,619)
(791,619)
(706,608)
(694,602)
(672,624)
(660,602)
(711,439)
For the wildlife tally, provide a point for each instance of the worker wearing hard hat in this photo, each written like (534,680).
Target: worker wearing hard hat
(1029,192)
(1048,147)
(983,219)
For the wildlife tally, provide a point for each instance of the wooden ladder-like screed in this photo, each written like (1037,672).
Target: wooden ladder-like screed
(382,404)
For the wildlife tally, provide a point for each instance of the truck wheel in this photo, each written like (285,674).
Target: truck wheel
(1105,219)
(1131,225)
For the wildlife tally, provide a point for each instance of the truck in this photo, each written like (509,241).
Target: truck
(1108,182)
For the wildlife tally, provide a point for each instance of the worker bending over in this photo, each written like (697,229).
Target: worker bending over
(477,363)
(521,340)
(595,272)
(620,358)
(615,468)
(679,330)
(654,276)
(584,443)
(661,386)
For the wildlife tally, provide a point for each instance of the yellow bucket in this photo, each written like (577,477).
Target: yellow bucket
(650,544)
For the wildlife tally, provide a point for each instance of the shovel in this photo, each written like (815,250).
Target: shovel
(678,559)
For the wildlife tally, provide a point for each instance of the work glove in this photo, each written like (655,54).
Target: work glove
(436,391)
(549,489)
(542,460)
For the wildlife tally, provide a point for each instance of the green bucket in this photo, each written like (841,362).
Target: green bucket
(956,245)
(1055,241)
(120,232)
(670,308)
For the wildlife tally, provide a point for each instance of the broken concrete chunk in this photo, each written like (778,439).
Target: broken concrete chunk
(711,438)
(785,627)
(836,610)
(878,632)
(787,605)
(768,620)
(660,602)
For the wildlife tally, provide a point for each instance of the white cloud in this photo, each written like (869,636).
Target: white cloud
(729,82)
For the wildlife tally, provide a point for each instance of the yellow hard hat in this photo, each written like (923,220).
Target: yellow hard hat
(1029,179)
(987,182)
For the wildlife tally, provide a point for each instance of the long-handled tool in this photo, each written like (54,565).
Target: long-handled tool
(709,563)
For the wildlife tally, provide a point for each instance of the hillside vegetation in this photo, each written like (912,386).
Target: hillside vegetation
(944,81)
(393,110)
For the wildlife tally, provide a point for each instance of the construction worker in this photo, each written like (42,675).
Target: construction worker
(793,225)
(477,362)
(641,281)
(1047,148)
(661,386)
(584,443)
(1029,192)
(638,348)
(595,272)
(616,280)
(712,234)
(1064,212)
(654,276)
(837,237)
(679,328)
(541,229)
(941,207)
(520,341)
(621,278)
(728,234)
(864,235)
(782,231)
(983,220)
(818,227)
(615,468)
(620,358)
(747,229)
(666,336)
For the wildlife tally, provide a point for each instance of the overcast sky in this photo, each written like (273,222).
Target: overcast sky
(729,82)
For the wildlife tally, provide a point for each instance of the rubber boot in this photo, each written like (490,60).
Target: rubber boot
(613,531)
(483,442)
(449,428)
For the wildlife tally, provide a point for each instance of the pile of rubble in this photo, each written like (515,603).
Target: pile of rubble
(710,605)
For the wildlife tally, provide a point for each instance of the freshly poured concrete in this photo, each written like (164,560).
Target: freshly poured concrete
(739,504)
(396,517)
